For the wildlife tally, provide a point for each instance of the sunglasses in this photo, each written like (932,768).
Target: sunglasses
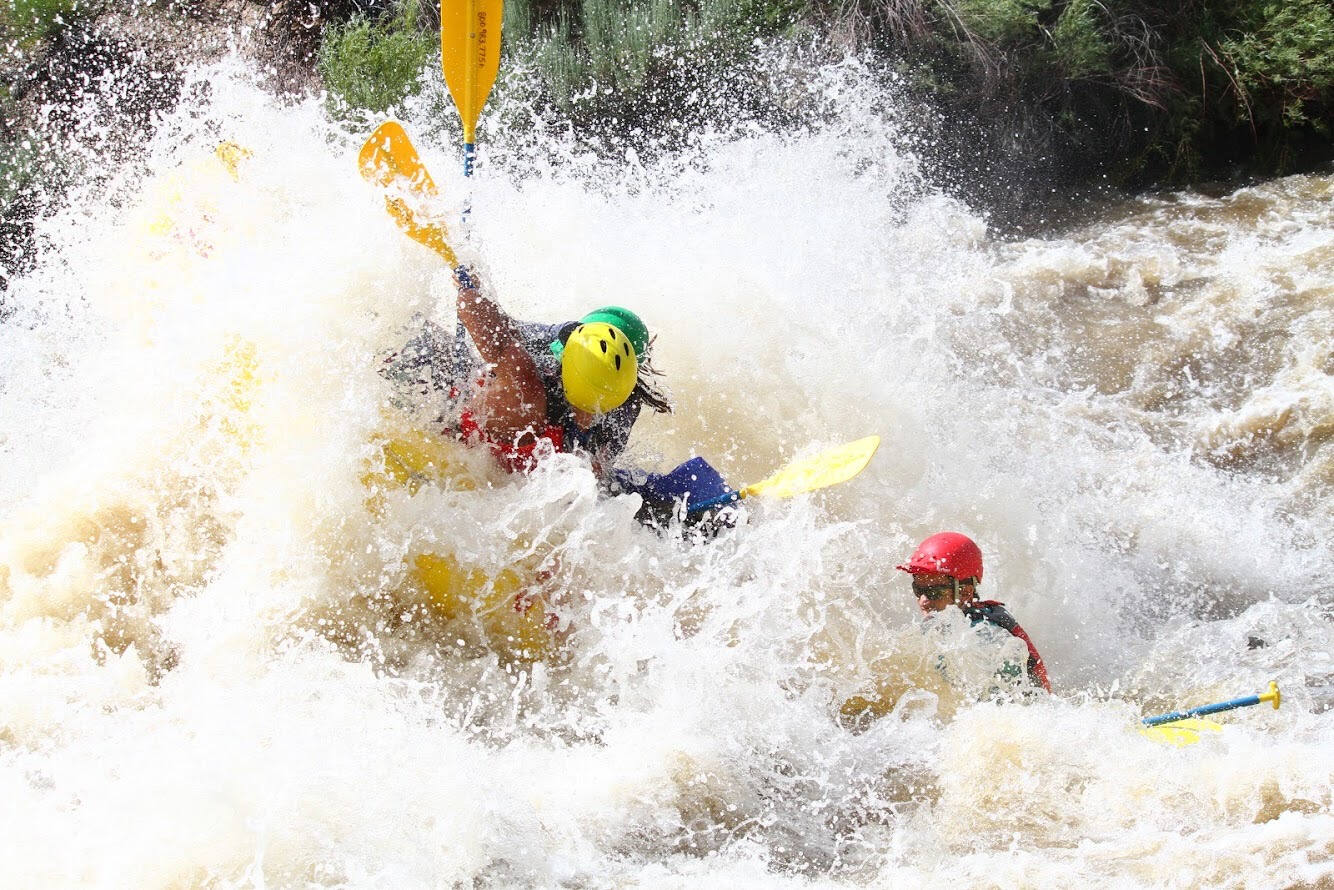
(933,592)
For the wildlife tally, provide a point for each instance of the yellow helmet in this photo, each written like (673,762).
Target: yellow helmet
(598,368)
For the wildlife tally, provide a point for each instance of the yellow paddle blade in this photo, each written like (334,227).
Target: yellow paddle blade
(390,160)
(389,156)
(1180,733)
(827,468)
(231,156)
(470,55)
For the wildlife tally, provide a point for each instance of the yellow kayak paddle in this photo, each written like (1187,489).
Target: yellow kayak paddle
(821,471)
(390,160)
(1180,733)
(1181,728)
(470,58)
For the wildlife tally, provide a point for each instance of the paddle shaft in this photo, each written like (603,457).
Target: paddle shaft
(718,501)
(469,117)
(1243,702)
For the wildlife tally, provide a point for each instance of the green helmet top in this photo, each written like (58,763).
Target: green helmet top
(630,324)
(622,319)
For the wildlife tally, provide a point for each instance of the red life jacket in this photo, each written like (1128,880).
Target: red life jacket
(514,458)
(993,612)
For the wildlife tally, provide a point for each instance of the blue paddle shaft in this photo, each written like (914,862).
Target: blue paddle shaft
(1244,702)
(718,501)
(469,159)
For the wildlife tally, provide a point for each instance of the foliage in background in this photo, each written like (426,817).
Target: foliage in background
(375,63)
(25,26)
(1080,47)
(1052,90)
(638,62)
(1033,93)
(1139,89)
(26,23)
(1039,92)
(1283,61)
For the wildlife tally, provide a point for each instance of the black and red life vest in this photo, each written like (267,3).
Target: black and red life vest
(993,612)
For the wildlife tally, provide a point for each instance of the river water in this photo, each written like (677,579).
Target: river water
(215,670)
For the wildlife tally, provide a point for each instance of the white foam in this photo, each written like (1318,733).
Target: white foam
(211,671)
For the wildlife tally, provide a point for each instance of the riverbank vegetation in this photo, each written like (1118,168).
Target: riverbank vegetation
(373,64)
(1012,97)
(1055,92)
(1135,89)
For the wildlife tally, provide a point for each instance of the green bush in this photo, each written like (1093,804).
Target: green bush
(1019,40)
(1143,89)
(1082,48)
(28,22)
(1284,62)
(999,21)
(373,65)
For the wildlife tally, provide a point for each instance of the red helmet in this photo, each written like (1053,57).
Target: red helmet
(948,553)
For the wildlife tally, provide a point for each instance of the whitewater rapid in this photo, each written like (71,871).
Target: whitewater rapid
(215,672)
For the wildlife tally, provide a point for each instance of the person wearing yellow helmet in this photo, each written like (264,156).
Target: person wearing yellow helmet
(598,368)
(579,385)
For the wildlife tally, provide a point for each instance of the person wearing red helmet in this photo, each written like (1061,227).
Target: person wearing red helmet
(946,569)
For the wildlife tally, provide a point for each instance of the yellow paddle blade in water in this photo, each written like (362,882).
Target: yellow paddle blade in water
(389,156)
(390,160)
(827,468)
(232,156)
(470,55)
(1180,733)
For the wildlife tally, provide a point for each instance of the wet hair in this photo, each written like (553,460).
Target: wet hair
(651,395)
(645,389)
(563,335)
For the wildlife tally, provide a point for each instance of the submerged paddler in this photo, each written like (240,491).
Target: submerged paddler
(522,387)
(946,570)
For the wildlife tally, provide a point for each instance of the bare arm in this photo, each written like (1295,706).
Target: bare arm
(514,400)
(490,327)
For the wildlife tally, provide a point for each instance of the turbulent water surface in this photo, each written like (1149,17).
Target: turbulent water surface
(217,670)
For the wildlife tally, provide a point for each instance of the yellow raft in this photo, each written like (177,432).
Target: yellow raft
(507,606)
